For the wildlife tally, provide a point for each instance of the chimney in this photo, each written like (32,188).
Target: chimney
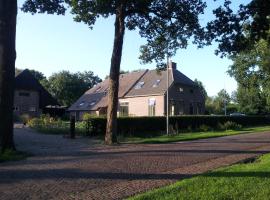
(172,65)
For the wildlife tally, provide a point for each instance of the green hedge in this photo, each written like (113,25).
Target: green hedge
(150,126)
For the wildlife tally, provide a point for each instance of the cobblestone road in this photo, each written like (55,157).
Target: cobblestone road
(61,168)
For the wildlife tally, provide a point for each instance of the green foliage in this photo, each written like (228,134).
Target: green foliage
(216,104)
(229,125)
(11,155)
(201,87)
(153,126)
(25,118)
(50,125)
(241,181)
(238,31)
(250,68)
(187,136)
(67,87)
(204,128)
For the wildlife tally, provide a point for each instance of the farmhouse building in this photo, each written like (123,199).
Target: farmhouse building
(30,97)
(143,93)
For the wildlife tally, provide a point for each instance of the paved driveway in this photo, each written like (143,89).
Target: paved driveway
(81,169)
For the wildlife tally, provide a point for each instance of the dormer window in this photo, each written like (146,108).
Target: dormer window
(156,83)
(139,85)
(97,90)
(82,103)
(92,103)
(181,89)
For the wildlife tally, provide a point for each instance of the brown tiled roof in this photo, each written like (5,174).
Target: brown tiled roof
(151,85)
(155,82)
(99,92)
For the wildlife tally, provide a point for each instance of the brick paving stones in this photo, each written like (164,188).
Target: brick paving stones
(62,168)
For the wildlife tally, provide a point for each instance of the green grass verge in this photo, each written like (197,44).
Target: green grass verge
(10,155)
(238,182)
(193,136)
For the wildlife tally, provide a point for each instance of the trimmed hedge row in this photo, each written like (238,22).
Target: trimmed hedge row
(150,126)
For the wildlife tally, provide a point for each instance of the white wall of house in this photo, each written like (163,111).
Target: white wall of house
(138,106)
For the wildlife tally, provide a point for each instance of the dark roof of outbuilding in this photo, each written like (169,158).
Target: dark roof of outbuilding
(26,81)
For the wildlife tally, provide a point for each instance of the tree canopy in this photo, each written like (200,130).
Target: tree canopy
(67,87)
(237,31)
(166,25)
(250,69)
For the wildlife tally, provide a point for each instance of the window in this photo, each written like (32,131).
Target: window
(191,109)
(156,83)
(16,108)
(191,91)
(97,90)
(152,107)
(32,109)
(139,85)
(199,108)
(181,89)
(82,103)
(123,109)
(24,94)
(181,107)
(172,110)
(92,103)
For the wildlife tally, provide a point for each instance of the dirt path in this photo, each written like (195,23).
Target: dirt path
(82,169)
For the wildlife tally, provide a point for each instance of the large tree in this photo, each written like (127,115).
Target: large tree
(250,69)
(166,25)
(240,30)
(8,17)
(67,87)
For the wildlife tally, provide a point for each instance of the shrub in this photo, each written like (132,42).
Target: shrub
(153,126)
(204,128)
(25,118)
(229,125)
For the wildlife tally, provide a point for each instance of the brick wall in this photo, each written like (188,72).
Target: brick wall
(26,102)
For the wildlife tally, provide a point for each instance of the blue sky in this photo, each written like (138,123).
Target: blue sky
(49,43)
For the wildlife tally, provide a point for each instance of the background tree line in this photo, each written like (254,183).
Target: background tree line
(66,86)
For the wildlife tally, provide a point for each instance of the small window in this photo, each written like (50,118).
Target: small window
(97,90)
(24,94)
(191,91)
(32,109)
(82,103)
(139,85)
(152,107)
(16,108)
(123,109)
(156,83)
(92,103)
(181,89)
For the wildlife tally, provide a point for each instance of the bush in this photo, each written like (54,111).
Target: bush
(153,126)
(229,125)
(25,118)
(204,128)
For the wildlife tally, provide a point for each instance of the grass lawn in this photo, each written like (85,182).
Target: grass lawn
(193,136)
(10,155)
(239,182)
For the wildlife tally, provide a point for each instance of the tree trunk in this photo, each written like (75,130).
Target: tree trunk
(8,15)
(111,129)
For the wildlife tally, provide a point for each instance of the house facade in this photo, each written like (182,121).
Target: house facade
(30,97)
(144,93)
